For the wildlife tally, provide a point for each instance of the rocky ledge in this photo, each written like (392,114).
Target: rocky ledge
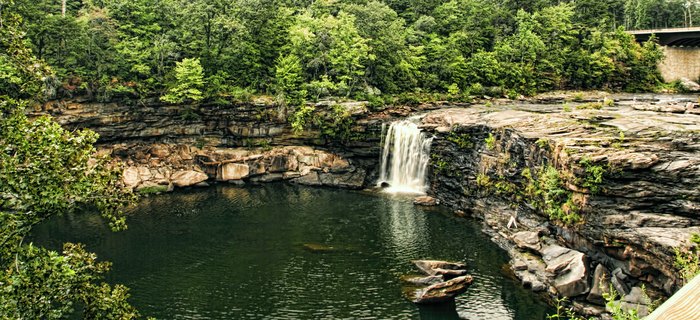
(577,190)
(161,167)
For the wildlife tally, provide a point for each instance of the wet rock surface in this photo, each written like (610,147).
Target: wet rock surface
(442,291)
(444,281)
(426,201)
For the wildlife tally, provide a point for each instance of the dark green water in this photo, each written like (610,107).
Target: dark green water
(237,253)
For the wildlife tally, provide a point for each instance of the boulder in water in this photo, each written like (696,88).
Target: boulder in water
(422,280)
(442,291)
(427,201)
(443,268)
(438,290)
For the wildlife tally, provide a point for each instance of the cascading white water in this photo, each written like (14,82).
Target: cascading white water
(405,157)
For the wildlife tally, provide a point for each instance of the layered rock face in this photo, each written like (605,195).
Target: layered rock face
(179,146)
(617,183)
(160,167)
(260,123)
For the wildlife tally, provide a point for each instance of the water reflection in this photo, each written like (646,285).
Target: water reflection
(406,231)
(442,311)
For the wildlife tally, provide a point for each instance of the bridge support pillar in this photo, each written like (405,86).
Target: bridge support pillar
(680,62)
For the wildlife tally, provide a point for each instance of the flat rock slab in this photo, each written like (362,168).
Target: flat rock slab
(441,292)
(427,201)
(443,268)
(527,240)
(422,280)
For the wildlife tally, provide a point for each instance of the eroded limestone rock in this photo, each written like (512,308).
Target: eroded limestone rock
(130,177)
(568,268)
(232,171)
(427,201)
(645,147)
(527,240)
(186,178)
(442,291)
(600,285)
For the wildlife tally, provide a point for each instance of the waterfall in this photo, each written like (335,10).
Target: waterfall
(405,157)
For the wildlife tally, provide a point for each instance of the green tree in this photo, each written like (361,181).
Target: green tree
(22,75)
(331,50)
(46,171)
(395,66)
(188,84)
(289,78)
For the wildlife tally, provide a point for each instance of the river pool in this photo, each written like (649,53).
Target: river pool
(229,252)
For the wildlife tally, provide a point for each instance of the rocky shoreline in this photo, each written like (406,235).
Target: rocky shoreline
(627,169)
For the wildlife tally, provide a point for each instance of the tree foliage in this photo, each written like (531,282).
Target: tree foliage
(46,170)
(349,48)
(188,84)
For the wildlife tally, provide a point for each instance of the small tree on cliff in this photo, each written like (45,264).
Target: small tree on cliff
(189,81)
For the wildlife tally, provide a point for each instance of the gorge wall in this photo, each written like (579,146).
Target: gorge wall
(167,146)
(617,182)
(580,193)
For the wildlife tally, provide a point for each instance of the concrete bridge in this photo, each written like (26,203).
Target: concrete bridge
(682,49)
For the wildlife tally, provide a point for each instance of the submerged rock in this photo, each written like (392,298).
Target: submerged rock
(319,248)
(442,291)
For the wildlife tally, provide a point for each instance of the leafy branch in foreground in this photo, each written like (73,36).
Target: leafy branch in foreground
(45,171)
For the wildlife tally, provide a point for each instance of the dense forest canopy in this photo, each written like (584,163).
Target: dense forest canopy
(211,49)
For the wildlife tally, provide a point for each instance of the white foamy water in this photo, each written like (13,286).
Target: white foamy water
(405,157)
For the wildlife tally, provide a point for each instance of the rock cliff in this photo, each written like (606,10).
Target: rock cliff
(166,146)
(617,182)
